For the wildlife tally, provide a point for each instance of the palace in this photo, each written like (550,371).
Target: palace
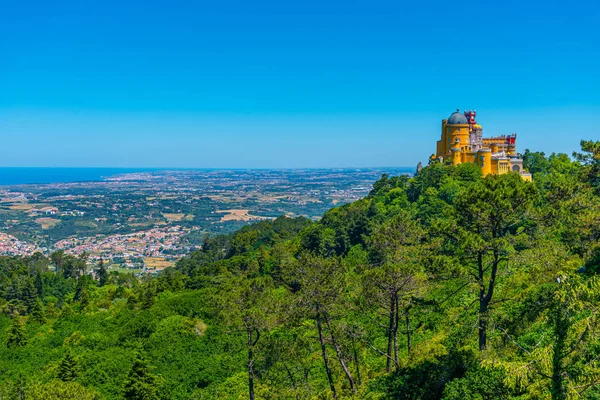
(462,141)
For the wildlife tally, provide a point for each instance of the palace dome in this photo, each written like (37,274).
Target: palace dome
(457,118)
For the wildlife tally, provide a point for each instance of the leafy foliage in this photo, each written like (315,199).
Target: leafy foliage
(141,383)
(446,285)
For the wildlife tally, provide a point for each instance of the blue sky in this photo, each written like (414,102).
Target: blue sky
(288,84)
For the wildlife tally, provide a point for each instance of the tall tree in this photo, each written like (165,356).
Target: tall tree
(39,283)
(321,285)
(29,294)
(80,265)
(557,354)
(16,336)
(251,306)
(590,158)
(68,367)
(491,215)
(141,384)
(80,288)
(148,293)
(58,259)
(37,313)
(395,277)
(102,273)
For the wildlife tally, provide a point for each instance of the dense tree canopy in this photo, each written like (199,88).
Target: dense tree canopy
(445,285)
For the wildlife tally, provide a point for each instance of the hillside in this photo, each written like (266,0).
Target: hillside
(446,285)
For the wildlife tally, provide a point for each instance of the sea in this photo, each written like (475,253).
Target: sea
(14,176)
(10,176)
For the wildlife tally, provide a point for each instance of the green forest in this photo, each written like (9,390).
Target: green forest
(445,285)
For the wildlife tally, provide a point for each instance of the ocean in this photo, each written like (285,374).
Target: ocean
(12,176)
(20,176)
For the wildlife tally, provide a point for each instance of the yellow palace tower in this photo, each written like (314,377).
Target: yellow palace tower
(462,141)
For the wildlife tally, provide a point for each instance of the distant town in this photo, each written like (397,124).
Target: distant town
(145,221)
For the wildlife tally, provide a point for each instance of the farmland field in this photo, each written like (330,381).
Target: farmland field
(47,223)
(157,263)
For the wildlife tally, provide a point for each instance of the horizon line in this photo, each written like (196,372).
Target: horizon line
(208,168)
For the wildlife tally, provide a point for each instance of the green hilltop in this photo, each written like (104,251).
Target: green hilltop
(445,285)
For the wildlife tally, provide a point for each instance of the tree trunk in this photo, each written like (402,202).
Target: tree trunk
(408,333)
(21,388)
(558,388)
(292,380)
(482,322)
(482,325)
(390,334)
(324,353)
(251,344)
(250,374)
(340,356)
(396,324)
(306,381)
(485,298)
(356,363)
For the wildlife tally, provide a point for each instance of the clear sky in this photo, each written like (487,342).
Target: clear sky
(311,83)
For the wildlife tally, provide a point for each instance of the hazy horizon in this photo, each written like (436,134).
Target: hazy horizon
(17,176)
(210,168)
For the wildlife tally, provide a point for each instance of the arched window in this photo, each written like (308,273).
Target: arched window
(516,168)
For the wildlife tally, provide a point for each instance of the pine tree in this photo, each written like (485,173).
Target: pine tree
(81,283)
(132,301)
(84,299)
(80,265)
(39,283)
(102,274)
(67,369)
(141,383)
(66,311)
(37,313)
(16,336)
(81,294)
(147,297)
(29,294)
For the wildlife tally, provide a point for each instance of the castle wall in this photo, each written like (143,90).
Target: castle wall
(465,143)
